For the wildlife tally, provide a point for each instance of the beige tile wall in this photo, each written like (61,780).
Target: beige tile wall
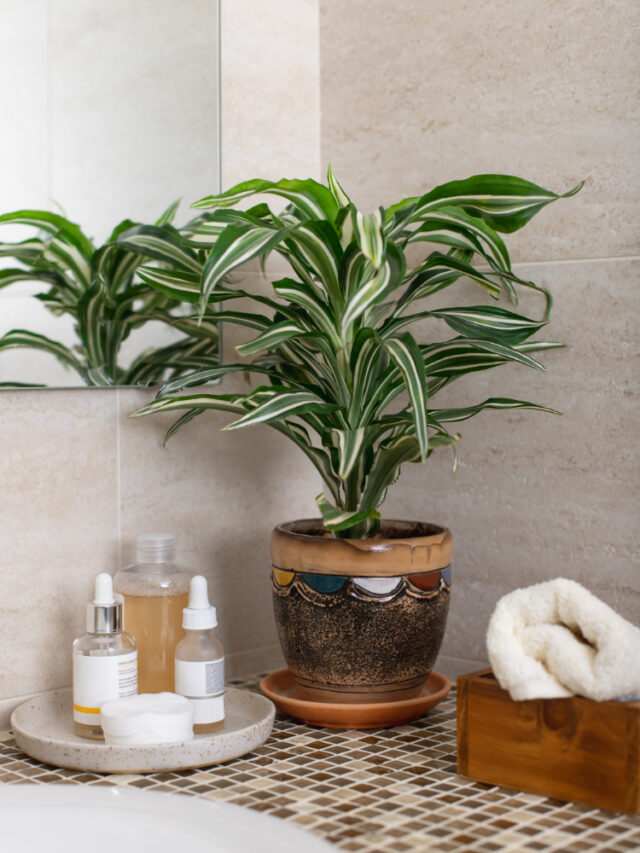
(415,94)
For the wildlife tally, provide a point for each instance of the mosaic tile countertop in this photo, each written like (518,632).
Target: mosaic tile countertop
(384,791)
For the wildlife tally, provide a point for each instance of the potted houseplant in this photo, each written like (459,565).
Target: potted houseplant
(360,602)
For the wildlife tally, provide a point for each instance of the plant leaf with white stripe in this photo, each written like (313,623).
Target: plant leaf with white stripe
(17,338)
(364,297)
(465,412)
(489,322)
(465,225)
(314,200)
(349,443)
(161,242)
(505,202)
(320,248)
(405,352)
(236,245)
(179,284)
(52,223)
(386,466)
(169,214)
(222,402)
(339,519)
(367,229)
(283,405)
(271,338)
(318,310)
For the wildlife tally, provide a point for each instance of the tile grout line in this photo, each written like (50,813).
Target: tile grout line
(563,261)
(118,481)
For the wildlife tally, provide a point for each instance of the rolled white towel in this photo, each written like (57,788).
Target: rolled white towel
(556,639)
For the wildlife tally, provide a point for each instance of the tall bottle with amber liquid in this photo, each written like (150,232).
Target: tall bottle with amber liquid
(155,592)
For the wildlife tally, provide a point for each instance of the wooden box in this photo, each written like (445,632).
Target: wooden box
(570,749)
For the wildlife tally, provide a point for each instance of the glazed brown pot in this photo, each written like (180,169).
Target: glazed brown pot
(358,617)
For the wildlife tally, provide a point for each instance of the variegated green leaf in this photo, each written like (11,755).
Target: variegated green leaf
(222,402)
(319,312)
(490,322)
(11,275)
(26,251)
(271,338)
(342,199)
(169,214)
(349,443)
(283,405)
(53,223)
(68,257)
(314,200)
(235,246)
(471,228)
(367,229)
(319,247)
(339,519)
(364,297)
(465,412)
(177,283)
(162,243)
(406,354)
(211,374)
(24,338)
(503,201)
(188,416)
(386,466)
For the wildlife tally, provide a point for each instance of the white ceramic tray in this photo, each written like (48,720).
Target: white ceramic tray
(43,728)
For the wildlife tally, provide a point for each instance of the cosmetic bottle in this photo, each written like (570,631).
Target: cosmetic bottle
(154,592)
(105,660)
(199,664)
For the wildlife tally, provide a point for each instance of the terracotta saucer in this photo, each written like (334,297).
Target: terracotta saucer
(283,691)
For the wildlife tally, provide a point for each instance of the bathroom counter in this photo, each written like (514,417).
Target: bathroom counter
(385,791)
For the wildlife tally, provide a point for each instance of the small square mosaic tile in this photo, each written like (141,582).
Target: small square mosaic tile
(384,791)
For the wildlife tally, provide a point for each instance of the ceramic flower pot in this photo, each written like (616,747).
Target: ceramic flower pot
(358,617)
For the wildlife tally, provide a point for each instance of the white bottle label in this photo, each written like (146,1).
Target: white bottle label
(197,678)
(98,678)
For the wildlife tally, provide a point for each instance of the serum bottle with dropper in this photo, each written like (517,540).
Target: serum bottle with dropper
(105,660)
(199,660)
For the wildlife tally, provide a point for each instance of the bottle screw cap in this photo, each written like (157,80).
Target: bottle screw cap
(199,615)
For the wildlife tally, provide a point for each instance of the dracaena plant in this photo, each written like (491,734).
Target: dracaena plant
(340,373)
(99,288)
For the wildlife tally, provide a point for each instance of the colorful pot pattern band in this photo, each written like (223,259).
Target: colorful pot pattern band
(314,587)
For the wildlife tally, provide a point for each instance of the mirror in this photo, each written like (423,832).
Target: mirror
(110,112)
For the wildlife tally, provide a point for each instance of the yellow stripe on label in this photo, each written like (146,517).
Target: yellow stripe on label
(84,710)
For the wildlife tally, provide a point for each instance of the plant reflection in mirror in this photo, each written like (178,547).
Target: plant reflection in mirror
(100,289)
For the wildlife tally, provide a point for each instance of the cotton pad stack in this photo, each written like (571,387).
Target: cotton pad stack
(147,718)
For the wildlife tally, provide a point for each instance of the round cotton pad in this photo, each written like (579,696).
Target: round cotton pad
(147,718)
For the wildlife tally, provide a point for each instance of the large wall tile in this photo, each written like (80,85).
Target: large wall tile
(59,523)
(415,94)
(270,90)
(538,496)
(134,107)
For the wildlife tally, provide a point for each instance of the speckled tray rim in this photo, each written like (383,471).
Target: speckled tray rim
(76,753)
